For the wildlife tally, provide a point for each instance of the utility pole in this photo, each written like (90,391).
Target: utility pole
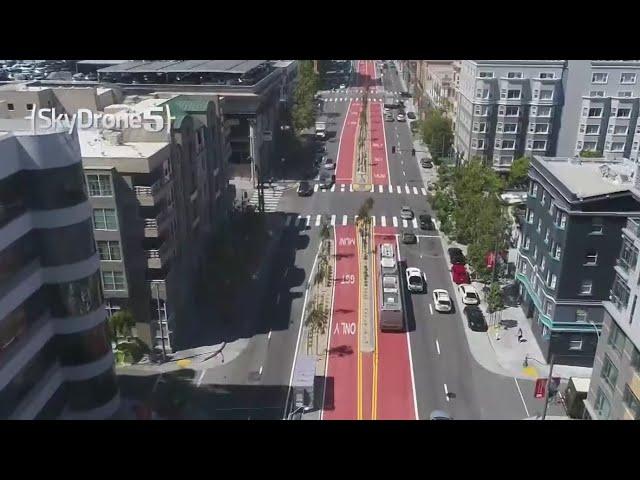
(548,389)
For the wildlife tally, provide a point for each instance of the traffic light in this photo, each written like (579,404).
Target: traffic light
(393,149)
(413,152)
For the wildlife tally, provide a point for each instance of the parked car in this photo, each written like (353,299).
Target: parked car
(426,163)
(456,256)
(329,164)
(405,94)
(439,415)
(409,238)
(343,86)
(426,222)
(416,280)
(400,117)
(441,300)
(305,189)
(406,213)
(459,274)
(475,319)
(411,115)
(388,117)
(469,295)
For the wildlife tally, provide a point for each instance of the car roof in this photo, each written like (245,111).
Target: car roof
(405,207)
(468,288)
(412,270)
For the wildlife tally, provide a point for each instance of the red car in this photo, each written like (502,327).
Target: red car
(459,274)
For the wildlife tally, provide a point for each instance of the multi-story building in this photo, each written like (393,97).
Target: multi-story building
(576,210)
(508,108)
(614,392)
(55,351)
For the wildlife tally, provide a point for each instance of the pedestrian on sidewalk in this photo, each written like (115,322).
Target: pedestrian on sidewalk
(519,335)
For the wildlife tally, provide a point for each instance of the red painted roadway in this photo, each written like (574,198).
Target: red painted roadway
(341,396)
(395,396)
(347,144)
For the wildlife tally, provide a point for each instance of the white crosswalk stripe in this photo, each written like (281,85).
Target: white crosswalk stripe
(342,187)
(405,224)
(333,220)
(307,221)
(406,189)
(415,190)
(351,187)
(373,220)
(424,191)
(271,199)
(344,220)
(415,223)
(373,188)
(395,222)
(383,221)
(380,188)
(333,187)
(316,187)
(399,189)
(390,189)
(318,219)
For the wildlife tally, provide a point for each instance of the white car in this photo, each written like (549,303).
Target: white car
(416,280)
(343,86)
(441,300)
(401,117)
(469,295)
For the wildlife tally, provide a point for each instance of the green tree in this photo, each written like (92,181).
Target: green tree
(495,301)
(121,324)
(437,134)
(519,171)
(303,113)
(590,154)
(317,319)
(322,269)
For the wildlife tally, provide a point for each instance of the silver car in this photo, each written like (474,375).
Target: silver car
(406,213)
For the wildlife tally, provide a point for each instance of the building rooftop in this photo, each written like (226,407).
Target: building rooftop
(104,143)
(591,177)
(102,62)
(182,66)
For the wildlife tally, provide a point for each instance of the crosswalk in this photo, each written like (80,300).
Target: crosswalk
(376,89)
(271,198)
(399,189)
(349,98)
(309,221)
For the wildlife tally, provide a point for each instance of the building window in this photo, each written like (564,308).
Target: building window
(99,185)
(626,77)
(546,236)
(527,243)
(581,315)
(585,287)
(11,107)
(480,143)
(563,221)
(609,372)
(513,94)
(105,219)
(544,111)
(631,402)
(597,225)
(514,75)
(596,93)
(543,263)
(616,338)
(557,253)
(512,111)
(109,250)
(508,144)
(535,190)
(539,144)
(482,93)
(575,343)
(485,74)
(535,253)
(617,146)
(113,281)
(592,129)
(599,77)
(591,258)
(554,281)
(602,405)
(543,199)
(511,128)
(29,107)
(539,228)
(595,112)
(548,309)
(635,359)
(620,129)
(623,113)
(590,146)
(625,93)
(530,216)
(546,94)
(542,128)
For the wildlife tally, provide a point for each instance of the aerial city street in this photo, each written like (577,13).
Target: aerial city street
(321,240)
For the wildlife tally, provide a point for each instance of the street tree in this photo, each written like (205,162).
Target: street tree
(495,302)
(322,269)
(122,323)
(317,318)
(519,171)
(437,133)
(303,114)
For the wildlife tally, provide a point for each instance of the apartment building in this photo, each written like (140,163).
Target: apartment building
(55,352)
(158,199)
(576,210)
(614,392)
(508,108)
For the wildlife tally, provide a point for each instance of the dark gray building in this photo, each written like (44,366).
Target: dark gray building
(55,353)
(576,209)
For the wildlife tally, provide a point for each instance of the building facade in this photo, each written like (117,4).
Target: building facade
(614,392)
(576,210)
(507,109)
(55,350)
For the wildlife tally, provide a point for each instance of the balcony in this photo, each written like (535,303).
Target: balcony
(158,258)
(150,228)
(149,196)
(617,301)
(153,226)
(633,226)
(626,267)
(158,288)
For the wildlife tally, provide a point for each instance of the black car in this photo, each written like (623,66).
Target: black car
(409,238)
(411,115)
(426,222)
(456,256)
(405,94)
(305,189)
(426,163)
(475,319)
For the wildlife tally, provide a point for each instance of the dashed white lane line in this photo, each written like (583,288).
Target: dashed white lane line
(201,377)
(415,223)
(316,187)
(260,371)
(395,222)
(404,174)
(333,220)
(438,346)
(380,189)
(383,221)
(446,392)
(522,397)
(415,190)
(308,220)
(344,220)
(424,191)
(269,336)
(318,219)
(430,309)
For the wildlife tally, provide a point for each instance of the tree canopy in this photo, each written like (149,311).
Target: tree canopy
(437,134)
(303,114)
(519,171)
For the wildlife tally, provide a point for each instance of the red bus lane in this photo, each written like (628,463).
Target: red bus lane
(380,168)
(394,396)
(347,144)
(341,394)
